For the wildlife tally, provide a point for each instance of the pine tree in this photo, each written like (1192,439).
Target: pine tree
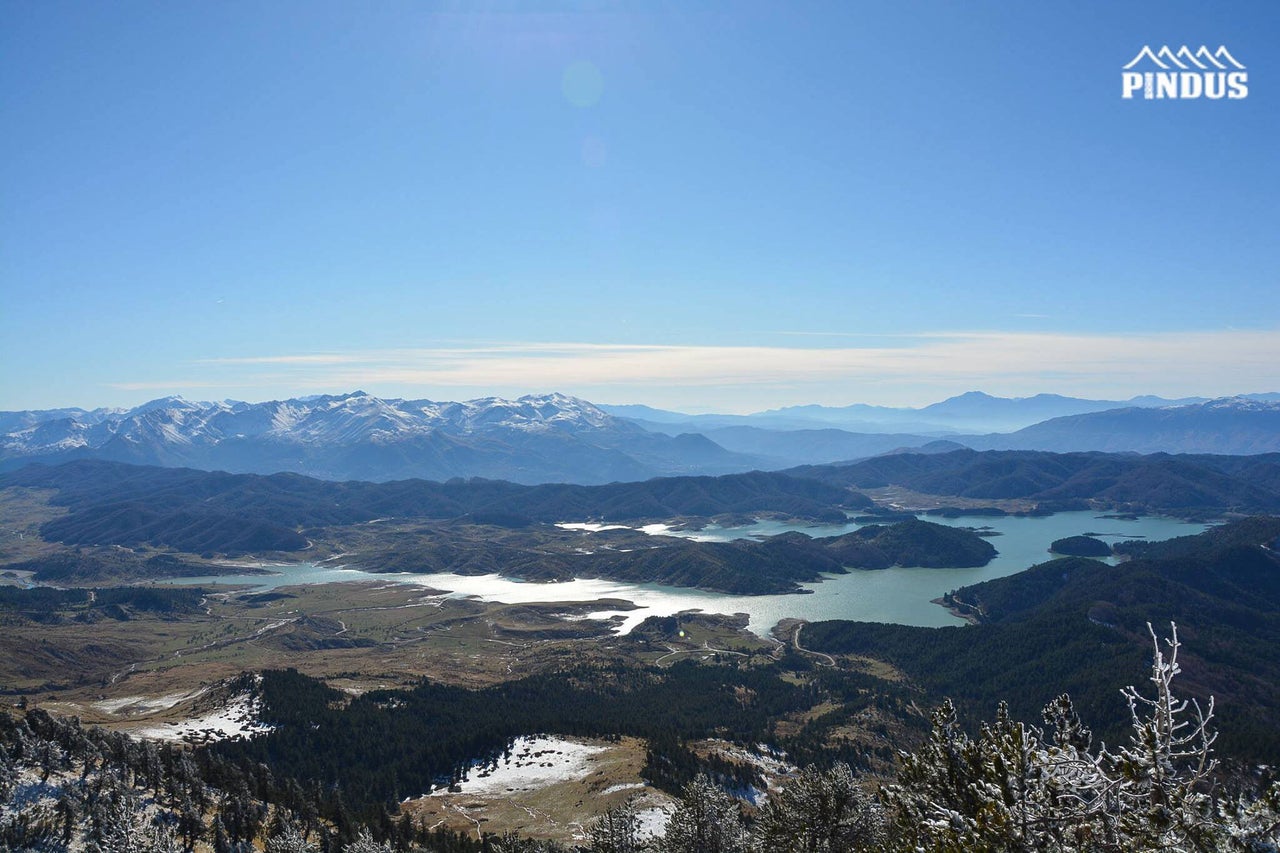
(707,820)
(364,843)
(8,774)
(1254,825)
(289,839)
(821,812)
(616,831)
(161,839)
(115,824)
(1010,789)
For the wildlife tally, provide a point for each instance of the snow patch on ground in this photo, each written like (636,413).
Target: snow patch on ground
(139,705)
(653,822)
(536,762)
(767,760)
(238,719)
(656,529)
(627,786)
(29,789)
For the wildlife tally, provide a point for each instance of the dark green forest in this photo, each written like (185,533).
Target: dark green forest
(199,511)
(1158,482)
(386,745)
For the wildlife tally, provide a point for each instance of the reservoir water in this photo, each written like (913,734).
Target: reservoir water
(903,594)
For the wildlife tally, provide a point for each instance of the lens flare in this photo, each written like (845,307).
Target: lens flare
(582,84)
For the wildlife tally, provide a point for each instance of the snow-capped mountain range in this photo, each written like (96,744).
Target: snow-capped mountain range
(558,438)
(359,436)
(332,419)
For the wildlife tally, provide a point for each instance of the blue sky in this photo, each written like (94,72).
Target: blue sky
(707,206)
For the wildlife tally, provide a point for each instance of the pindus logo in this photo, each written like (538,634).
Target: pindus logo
(1184,75)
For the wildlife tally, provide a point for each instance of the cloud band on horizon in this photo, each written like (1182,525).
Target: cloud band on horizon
(1180,363)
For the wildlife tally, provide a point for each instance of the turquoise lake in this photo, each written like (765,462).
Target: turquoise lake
(902,595)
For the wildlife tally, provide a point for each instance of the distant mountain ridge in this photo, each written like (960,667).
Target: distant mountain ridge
(972,411)
(1157,482)
(557,438)
(547,438)
(1232,425)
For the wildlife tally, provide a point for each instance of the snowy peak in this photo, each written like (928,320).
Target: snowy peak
(1240,404)
(61,433)
(166,403)
(538,438)
(322,420)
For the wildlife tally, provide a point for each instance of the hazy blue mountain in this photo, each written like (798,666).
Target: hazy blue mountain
(783,424)
(636,412)
(673,423)
(1236,425)
(1232,425)
(971,412)
(858,417)
(1000,413)
(1157,482)
(534,439)
(811,446)
(937,446)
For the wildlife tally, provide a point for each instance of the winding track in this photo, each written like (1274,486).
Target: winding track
(826,659)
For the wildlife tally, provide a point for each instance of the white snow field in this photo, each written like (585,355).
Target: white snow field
(536,761)
(239,718)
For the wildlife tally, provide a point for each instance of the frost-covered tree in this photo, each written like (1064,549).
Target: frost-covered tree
(289,839)
(364,843)
(821,812)
(119,824)
(951,795)
(1014,789)
(706,820)
(8,774)
(1254,825)
(160,838)
(115,819)
(1159,784)
(616,831)
(49,757)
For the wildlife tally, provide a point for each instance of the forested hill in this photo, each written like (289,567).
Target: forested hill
(1155,482)
(1086,621)
(114,503)
(779,563)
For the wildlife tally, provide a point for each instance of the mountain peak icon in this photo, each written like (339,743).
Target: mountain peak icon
(1185,59)
(1223,54)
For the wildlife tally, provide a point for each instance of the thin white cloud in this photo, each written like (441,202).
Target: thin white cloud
(925,366)
(308,358)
